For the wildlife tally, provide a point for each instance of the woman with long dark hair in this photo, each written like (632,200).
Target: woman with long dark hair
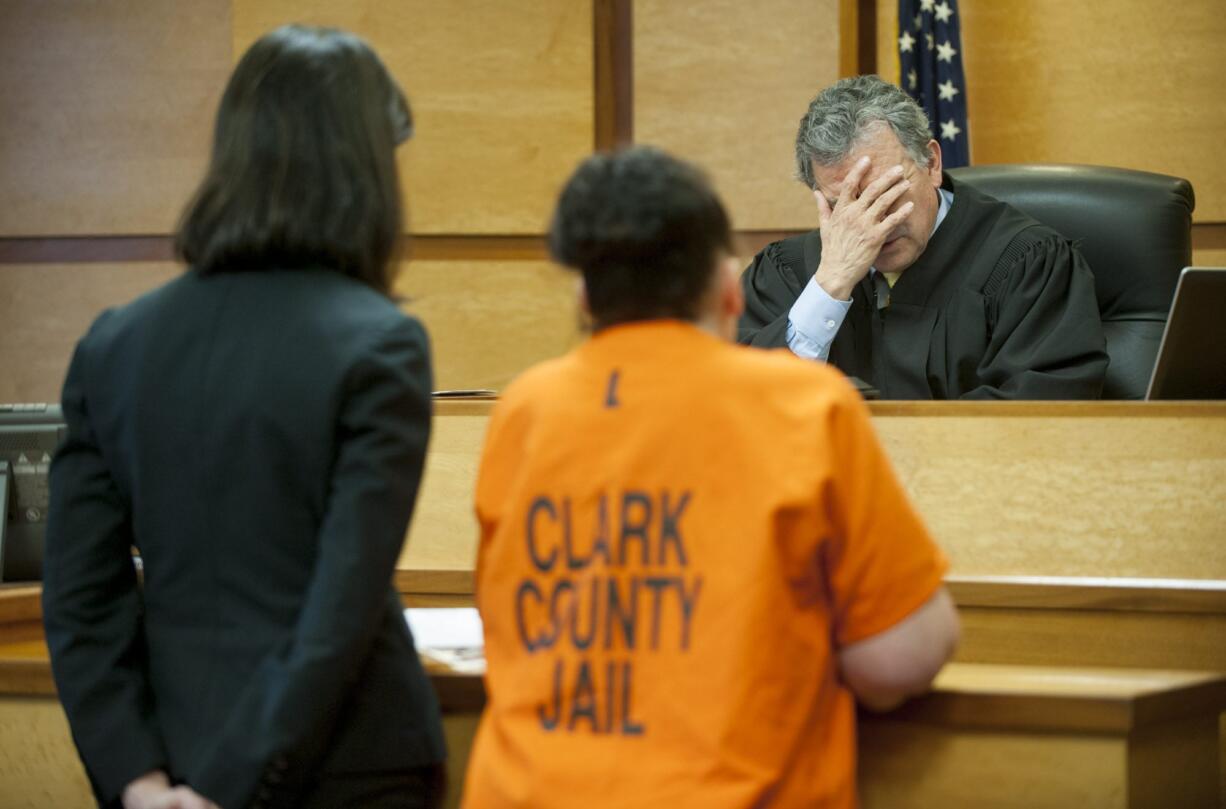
(256,429)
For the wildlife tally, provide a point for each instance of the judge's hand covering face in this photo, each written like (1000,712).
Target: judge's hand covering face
(876,209)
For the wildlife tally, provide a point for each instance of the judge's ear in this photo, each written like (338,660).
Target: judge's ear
(581,297)
(934,163)
(583,317)
(731,293)
(730,297)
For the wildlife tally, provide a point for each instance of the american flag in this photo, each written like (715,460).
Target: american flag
(930,55)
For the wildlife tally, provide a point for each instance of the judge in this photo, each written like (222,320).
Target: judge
(917,284)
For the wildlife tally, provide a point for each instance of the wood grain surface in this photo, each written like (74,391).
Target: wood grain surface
(1003,728)
(46,308)
(1088,637)
(39,767)
(1069,495)
(908,765)
(440,550)
(1120,489)
(724,83)
(1209,245)
(1133,84)
(490,320)
(108,112)
(1100,593)
(501,93)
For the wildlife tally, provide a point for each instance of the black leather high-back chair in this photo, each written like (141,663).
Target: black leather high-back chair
(1135,230)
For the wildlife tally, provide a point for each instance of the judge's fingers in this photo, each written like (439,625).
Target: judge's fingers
(895,219)
(170,799)
(889,179)
(851,182)
(881,206)
(823,208)
(182,797)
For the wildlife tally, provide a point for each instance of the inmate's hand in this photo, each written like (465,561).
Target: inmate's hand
(182,798)
(853,232)
(153,791)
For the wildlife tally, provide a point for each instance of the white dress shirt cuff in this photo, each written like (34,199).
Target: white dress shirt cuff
(813,322)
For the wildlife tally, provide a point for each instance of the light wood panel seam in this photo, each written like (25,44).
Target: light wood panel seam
(426,247)
(613,73)
(160,248)
(1172,596)
(1074,410)
(434,582)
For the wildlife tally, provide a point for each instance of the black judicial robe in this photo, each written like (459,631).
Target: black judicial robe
(998,306)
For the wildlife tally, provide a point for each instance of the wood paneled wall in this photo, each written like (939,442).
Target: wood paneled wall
(488,319)
(106,110)
(502,97)
(1131,83)
(106,114)
(725,83)
(44,310)
(115,102)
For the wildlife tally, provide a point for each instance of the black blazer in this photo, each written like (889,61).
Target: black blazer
(259,437)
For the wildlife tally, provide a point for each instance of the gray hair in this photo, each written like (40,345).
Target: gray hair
(843,112)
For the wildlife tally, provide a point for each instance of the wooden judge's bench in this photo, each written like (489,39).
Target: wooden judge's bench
(1088,549)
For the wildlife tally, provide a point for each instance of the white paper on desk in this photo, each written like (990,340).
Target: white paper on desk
(445,628)
(448,636)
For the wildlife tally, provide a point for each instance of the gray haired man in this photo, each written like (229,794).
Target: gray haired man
(920,286)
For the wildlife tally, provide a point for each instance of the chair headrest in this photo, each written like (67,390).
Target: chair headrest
(1133,227)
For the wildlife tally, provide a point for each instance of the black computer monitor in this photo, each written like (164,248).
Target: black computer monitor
(29,436)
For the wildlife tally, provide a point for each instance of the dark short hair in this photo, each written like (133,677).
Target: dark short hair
(644,229)
(303,170)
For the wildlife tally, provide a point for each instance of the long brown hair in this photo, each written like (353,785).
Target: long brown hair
(303,171)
